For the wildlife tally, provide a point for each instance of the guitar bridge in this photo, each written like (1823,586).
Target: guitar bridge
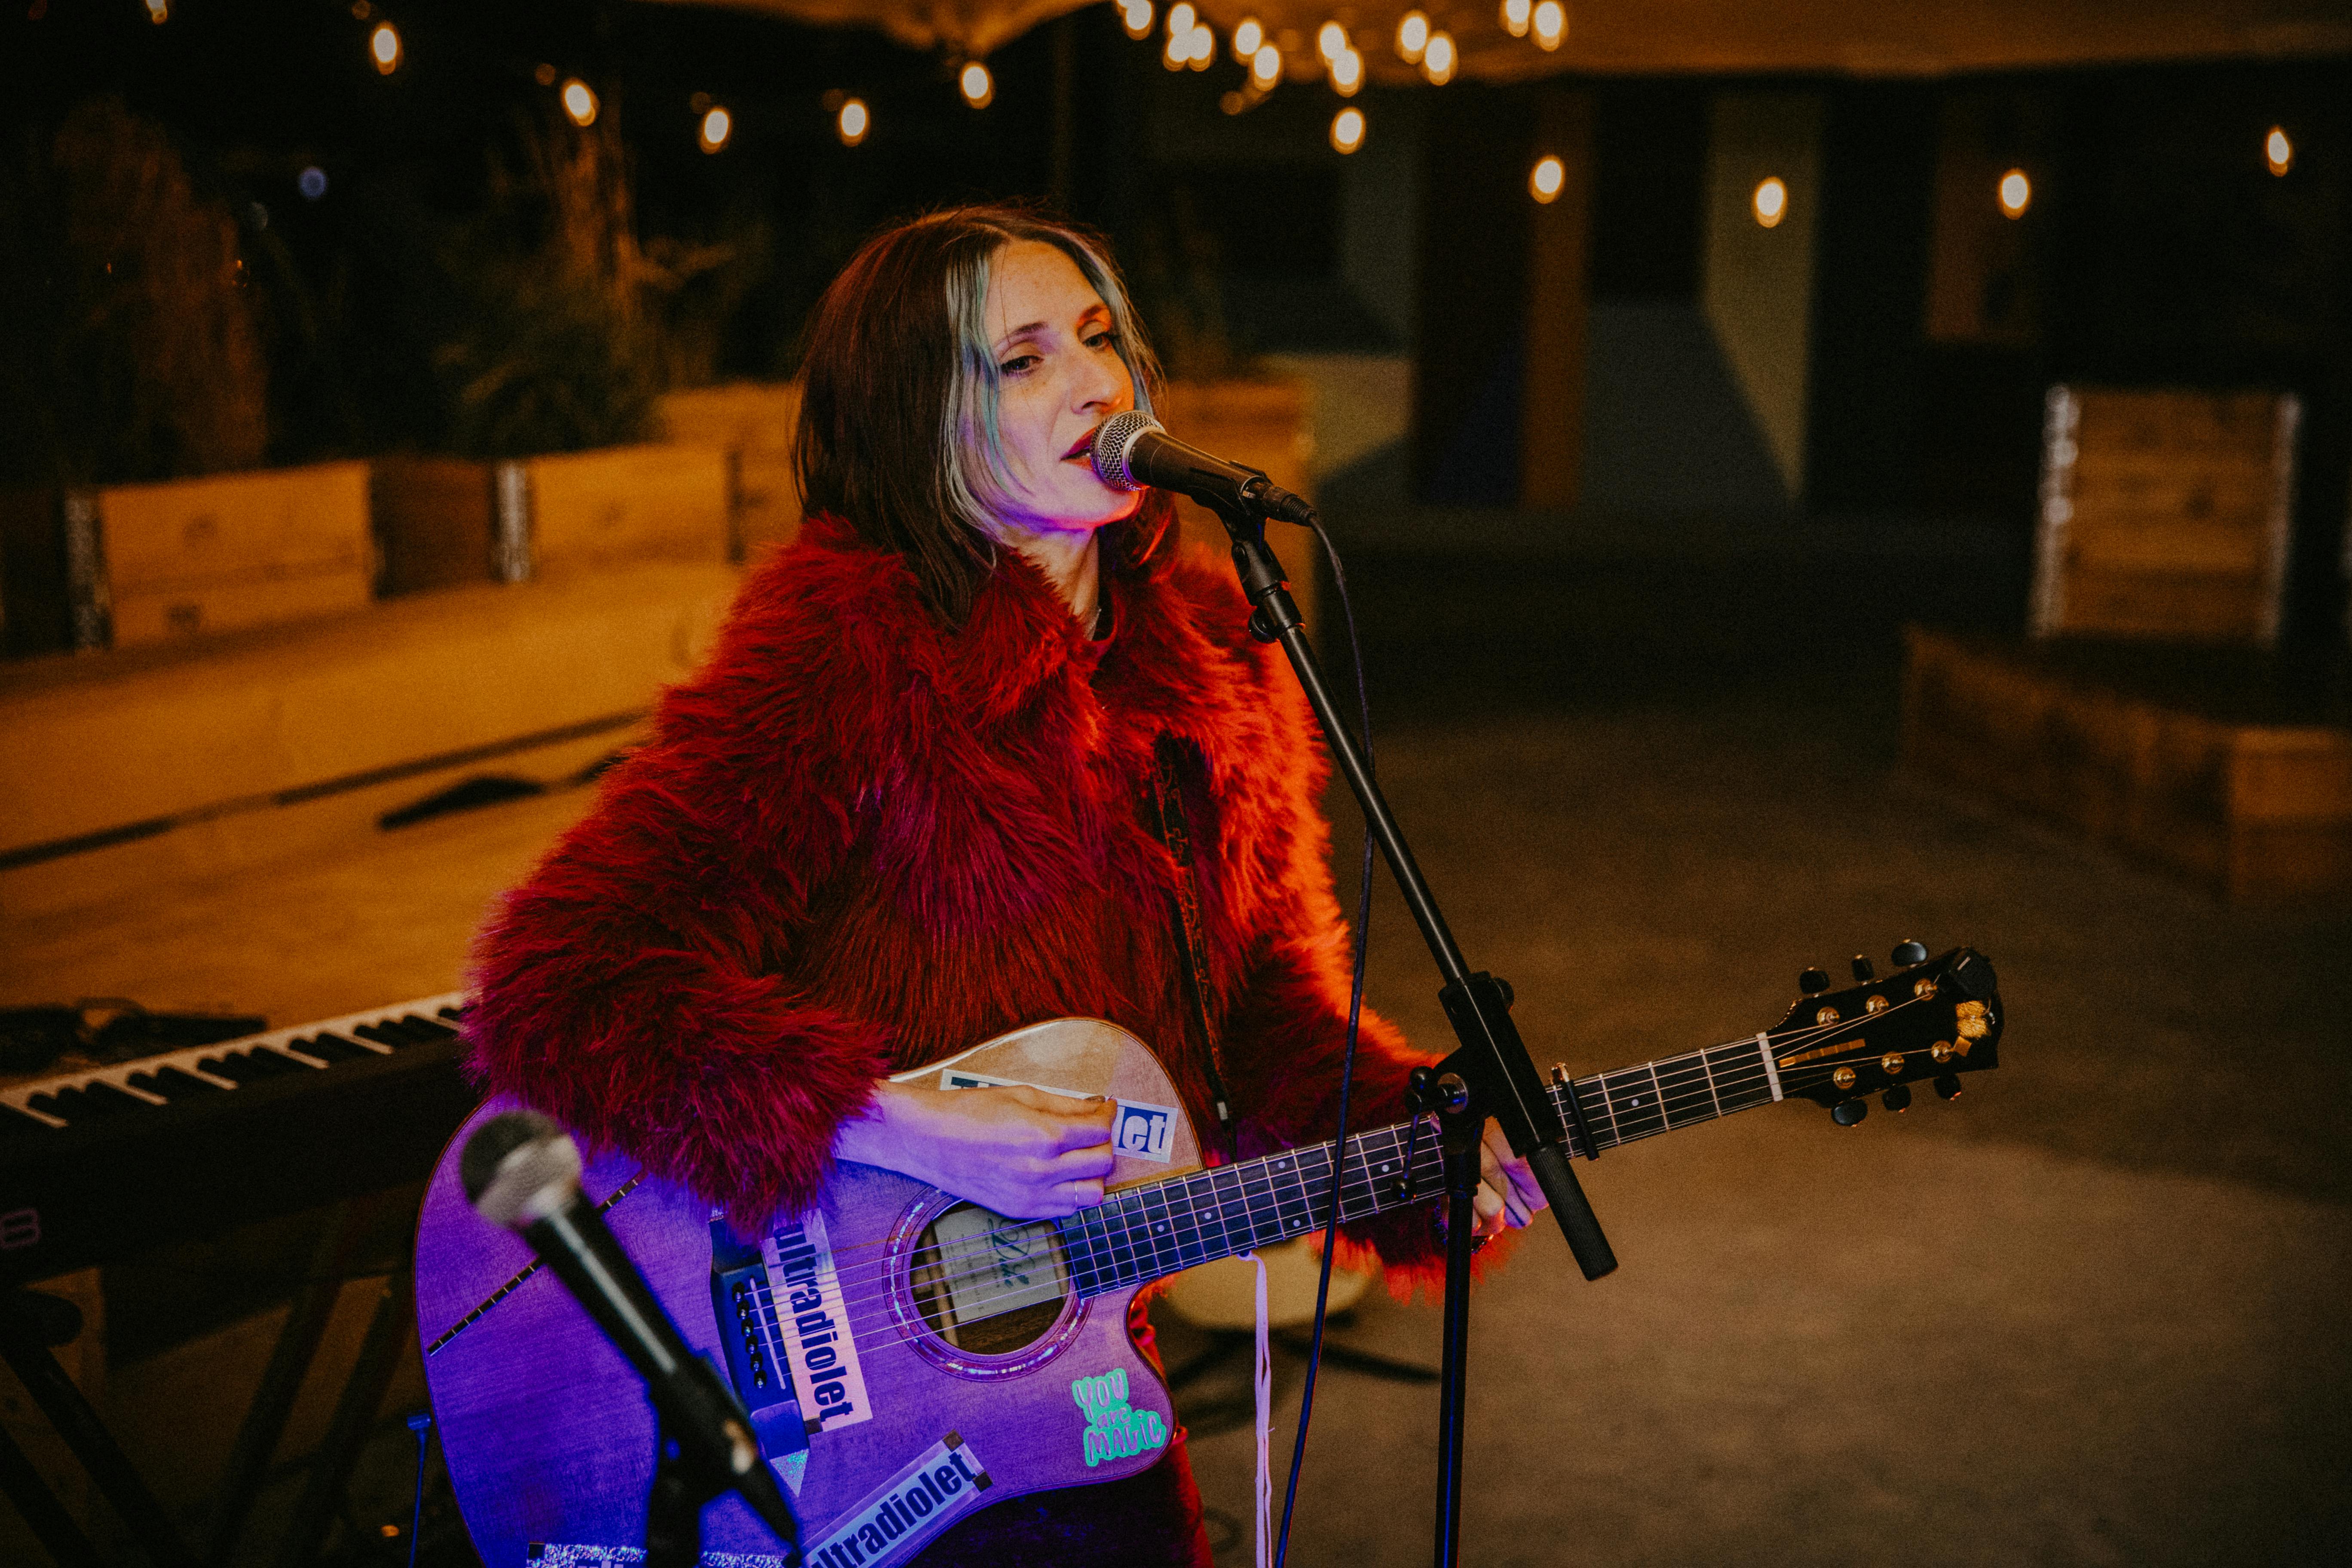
(753,1343)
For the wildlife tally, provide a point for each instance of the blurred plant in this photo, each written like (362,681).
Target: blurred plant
(572,326)
(131,349)
(1178,279)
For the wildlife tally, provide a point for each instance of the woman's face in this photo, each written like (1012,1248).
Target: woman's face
(1059,376)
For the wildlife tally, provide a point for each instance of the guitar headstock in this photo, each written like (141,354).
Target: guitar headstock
(1931,1019)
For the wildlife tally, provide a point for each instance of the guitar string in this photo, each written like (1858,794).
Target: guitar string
(860,1312)
(1689,1074)
(1681,1066)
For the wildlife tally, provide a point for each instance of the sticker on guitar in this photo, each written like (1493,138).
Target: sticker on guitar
(816,1325)
(1138,1130)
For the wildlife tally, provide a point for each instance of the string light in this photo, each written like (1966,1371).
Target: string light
(1412,37)
(1249,36)
(1201,50)
(1331,40)
(717,126)
(1545,180)
(1135,15)
(979,87)
(384,48)
(1347,72)
(2277,150)
(1180,17)
(580,102)
(1550,25)
(852,121)
(1514,17)
(1437,60)
(2016,193)
(1770,202)
(1265,68)
(1347,129)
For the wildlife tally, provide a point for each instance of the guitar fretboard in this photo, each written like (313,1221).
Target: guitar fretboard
(1146,1232)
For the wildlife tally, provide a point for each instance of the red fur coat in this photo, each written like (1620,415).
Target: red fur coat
(859,841)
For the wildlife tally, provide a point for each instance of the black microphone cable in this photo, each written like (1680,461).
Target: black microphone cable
(1346,1064)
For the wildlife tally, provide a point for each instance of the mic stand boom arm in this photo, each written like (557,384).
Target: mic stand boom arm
(1489,1072)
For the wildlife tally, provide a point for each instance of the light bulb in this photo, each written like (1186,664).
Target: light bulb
(852,122)
(1545,180)
(1347,129)
(580,102)
(978,88)
(1514,17)
(1249,33)
(717,126)
(1330,39)
(1201,50)
(1265,68)
(1135,15)
(2277,150)
(1180,17)
(1437,60)
(1770,201)
(1411,37)
(1347,72)
(1550,24)
(2016,193)
(384,48)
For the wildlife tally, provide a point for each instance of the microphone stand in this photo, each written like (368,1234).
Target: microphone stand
(1489,1074)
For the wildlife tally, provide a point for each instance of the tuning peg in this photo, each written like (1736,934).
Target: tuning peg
(1907,953)
(1812,982)
(1847,1113)
(1896,1099)
(1862,969)
(1948,1086)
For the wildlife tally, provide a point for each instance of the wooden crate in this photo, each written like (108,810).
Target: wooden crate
(2165,514)
(435,522)
(216,554)
(619,504)
(756,424)
(2258,811)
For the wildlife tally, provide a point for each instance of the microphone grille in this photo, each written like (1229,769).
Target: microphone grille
(511,1160)
(1114,439)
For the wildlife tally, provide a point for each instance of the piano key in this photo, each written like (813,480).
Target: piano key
(328,1048)
(173,1083)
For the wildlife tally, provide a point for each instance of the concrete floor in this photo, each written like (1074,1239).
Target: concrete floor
(2092,1312)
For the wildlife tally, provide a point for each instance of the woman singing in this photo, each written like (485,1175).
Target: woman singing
(908,804)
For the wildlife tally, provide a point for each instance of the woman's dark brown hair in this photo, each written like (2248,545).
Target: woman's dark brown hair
(898,429)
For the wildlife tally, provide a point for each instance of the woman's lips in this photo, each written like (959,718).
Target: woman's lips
(1085,448)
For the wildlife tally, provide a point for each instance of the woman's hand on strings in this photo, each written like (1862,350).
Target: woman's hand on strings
(1507,1193)
(1021,1152)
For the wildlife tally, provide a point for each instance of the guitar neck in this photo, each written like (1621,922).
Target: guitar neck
(1143,1233)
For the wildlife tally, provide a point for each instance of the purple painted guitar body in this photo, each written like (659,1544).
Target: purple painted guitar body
(909,1360)
(549,1439)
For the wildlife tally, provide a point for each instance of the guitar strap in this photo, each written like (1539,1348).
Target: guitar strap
(1168,793)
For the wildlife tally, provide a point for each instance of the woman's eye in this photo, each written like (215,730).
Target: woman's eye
(1104,339)
(1020,365)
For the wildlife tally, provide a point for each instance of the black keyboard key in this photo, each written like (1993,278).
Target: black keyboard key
(250,1066)
(87,1103)
(429,1028)
(173,1083)
(15,1123)
(47,1104)
(330,1048)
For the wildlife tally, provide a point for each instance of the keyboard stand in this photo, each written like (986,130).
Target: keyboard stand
(27,1329)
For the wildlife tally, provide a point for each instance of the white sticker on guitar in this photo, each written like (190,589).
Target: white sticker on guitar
(897,1517)
(816,1325)
(1138,1130)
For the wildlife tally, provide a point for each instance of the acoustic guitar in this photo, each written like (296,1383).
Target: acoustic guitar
(908,1358)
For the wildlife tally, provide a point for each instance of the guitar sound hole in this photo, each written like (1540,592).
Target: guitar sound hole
(988,1284)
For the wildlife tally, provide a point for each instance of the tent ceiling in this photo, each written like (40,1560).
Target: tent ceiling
(1859,38)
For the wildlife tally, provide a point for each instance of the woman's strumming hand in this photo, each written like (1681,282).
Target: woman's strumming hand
(1021,1152)
(1507,1192)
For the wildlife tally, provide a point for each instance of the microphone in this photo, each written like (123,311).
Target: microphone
(521,1172)
(1131,450)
